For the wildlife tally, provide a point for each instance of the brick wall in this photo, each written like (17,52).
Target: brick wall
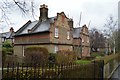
(31,39)
(61,23)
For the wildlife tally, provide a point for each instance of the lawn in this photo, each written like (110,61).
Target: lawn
(82,61)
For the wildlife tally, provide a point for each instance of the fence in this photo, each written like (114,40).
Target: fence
(70,70)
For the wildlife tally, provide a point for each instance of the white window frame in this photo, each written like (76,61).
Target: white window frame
(56,32)
(56,48)
(87,40)
(82,40)
(23,54)
(13,40)
(68,35)
(82,50)
(3,39)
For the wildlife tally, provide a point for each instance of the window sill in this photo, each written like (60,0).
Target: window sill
(68,39)
(57,37)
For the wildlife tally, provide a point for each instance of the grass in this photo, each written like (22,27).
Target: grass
(96,54)
(82,61)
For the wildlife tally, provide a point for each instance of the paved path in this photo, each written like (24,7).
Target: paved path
(116,74)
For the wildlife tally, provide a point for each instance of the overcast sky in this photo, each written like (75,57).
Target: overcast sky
(96,11)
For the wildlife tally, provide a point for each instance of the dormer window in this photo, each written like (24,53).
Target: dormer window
(29,30)
(68,35)
(87,40)
(56,32)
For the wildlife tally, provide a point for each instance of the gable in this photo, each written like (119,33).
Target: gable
(62,21)
(85,29)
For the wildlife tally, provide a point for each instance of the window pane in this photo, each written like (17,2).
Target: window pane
(82,40)
(56,32)
(68,35)
(56,49)
(23,51)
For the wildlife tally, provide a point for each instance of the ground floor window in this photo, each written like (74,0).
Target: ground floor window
(82,50)
(23,51)
(56,48)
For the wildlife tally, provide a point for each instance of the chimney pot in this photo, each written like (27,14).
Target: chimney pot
(29,30)
(43,12)
(11,29)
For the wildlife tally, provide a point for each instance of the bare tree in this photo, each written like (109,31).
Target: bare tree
(111,26)
(97,40)
(8,7)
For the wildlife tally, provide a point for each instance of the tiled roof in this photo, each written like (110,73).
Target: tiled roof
(76,32)
(7,35)
(30,26)
(35,26)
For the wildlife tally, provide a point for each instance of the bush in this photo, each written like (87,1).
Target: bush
(96,55)
(36,55)
(7,49)
(10,59)
(52,57)
(65,57)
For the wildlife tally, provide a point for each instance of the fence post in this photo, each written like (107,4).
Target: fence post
(17,71)
(34,70)
(59,70)
(31,69)
(55,70)
(94,69)
(12,69)
(7,70)
(38,69)
(22,69)
(102,70)
(2,70)
(62,73)
(42,70)
(26,72)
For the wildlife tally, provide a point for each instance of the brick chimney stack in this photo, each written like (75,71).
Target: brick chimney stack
(43,12)
(11,29)
(70,23)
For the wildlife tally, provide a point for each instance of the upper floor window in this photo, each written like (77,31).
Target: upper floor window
(23,54)
(68,35)
(13,40)
(87,40)
(3,39)
(82,40)
(56,32)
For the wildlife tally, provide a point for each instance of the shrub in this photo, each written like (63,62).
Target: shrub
(52,58)
(10,59)
(64,56)
(36,55)
(7,49)
(96,55)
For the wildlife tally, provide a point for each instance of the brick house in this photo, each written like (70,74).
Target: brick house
(8,36)
(81,41)
(53,33)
